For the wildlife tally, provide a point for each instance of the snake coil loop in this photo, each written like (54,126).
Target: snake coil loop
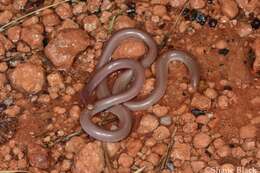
(119,101)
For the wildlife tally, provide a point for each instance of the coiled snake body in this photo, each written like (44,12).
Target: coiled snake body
(119,101)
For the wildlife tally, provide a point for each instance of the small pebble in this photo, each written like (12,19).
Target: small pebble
(166,120)
(45,42)
(244,29)
(255,23)
(201,18)
(181,151)
(186,13)
(9,101)
(212,22)
(197,4)
(28,77)
(125,160)
(159,10)
(229,8)
(74,144)
(227,87)
(223,151)
(113,127)
(197,112)
(200,102)
(131,10)
(223,102)
(210,1)
(248,131)
(159,110)
(201,140)
(147,124)
(124,22)
(169,165)
(211,93)
(130,48)
(193,15)
(38,156)
(161,133)
(66,165)
(89,159)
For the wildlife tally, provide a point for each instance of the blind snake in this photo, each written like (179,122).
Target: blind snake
(119,101)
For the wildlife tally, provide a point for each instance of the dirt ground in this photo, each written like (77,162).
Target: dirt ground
(47,58)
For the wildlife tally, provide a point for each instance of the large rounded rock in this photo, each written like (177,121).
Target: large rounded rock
(38,156)
(33,36)
(63,49)
(229,8)
(130,48)
(148,123)
(74,145)
(181,151)
(27,77)
(197,4)
(201,102)
(124,22)
(201,140)
(90,159)
(248,131)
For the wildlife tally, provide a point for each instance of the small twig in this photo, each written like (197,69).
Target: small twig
(167,35)
(107,120)
(69,136)
(13,171)
(107,158)
(41,134)
(112,22)
(164,41)
(19,19)
(165,157)
(140,170)
(179,16)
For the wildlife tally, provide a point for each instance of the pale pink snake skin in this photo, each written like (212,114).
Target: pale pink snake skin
(120,102)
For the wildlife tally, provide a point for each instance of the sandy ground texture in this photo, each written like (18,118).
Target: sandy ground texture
(211,130)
